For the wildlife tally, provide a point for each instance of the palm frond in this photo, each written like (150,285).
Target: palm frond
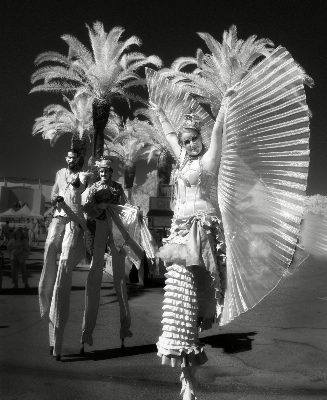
(182,62)
(133,40)
(56,87)
(77,50)
(52,56)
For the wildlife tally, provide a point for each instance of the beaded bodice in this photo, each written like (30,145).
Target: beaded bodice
(192,188)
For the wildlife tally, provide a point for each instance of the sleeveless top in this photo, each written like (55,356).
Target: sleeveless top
(72,195)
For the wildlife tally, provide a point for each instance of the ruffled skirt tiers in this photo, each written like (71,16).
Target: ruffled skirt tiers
(192,292)
(180,312)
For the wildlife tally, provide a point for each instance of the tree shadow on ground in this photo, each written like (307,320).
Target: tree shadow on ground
(21,291)
(36,250)
(133,291)
(32,291)
(99,355)
(230,342)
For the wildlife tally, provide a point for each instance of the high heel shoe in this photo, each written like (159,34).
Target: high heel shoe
(51,350)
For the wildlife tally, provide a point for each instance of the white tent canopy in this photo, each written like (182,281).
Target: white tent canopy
(9,213)
(24,211)
(34,214)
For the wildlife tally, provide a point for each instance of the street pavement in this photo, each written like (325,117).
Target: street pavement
(278,350)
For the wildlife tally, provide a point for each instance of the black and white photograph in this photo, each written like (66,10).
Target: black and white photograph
(163,200)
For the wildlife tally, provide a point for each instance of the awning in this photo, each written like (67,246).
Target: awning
(160,213)
(24,211)
(9,213)
(34,214)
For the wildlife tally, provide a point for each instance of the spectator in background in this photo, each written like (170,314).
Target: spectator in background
(18,249)
(5,232)
(30,226)
(37,228)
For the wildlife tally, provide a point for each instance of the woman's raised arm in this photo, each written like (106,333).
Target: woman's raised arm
(213,155)
(168,129)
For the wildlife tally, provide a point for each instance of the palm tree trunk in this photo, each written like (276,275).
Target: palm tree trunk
(165,166)
(80,145)
(129,174)
(100,114)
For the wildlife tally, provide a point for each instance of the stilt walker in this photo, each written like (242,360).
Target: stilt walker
(65,237)
(105,203)
(259,142)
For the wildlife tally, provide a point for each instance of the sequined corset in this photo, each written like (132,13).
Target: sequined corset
(192,197)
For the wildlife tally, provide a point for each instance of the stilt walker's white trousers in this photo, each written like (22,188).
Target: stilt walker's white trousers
(103,235)
(55,282)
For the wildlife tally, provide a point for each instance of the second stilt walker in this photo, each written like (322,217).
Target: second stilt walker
(105,203)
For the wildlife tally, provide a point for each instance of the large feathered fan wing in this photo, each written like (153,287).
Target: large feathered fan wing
(262,179)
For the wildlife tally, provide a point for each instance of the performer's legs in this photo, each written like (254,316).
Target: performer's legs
(61,294)
(49,271)
(51,336)
(23,270)
(118,270)
(93,283)
(36,238)
(55,336)
(30,237)
(7,237)
(14,272)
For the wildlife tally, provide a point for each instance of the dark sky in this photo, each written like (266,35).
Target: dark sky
(167,29)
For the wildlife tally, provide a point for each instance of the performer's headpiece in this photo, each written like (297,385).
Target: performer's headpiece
(192,121)
(104,163)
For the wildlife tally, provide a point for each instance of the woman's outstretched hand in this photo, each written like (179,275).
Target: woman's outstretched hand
(154,107)
(157,110)
(232,90)
(227,96)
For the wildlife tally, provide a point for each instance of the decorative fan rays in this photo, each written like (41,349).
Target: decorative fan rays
(262,179)
(176,102)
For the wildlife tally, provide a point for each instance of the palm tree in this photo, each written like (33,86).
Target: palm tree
(227,64)
(151,132)
(128,150)
(58,121)
(106,73)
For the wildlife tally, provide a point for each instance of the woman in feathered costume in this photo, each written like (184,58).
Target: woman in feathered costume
(260,140)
